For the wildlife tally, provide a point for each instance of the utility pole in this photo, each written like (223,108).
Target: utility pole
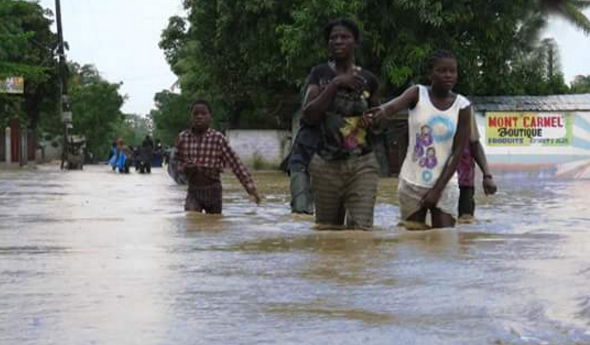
(64,104)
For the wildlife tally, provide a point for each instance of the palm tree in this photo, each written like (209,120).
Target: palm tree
(571,10)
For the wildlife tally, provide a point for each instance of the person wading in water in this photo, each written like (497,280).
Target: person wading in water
(202,153)
(428,181)
(344,171)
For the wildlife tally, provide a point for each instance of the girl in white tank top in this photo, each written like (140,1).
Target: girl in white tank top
(438,125)
(431,131)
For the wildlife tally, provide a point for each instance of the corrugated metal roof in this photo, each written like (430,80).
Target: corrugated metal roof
(580,102)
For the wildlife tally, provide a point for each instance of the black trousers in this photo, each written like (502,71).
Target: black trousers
(466,201)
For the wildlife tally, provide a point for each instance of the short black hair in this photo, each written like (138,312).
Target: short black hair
(436,56)
(347,23)
(203,102)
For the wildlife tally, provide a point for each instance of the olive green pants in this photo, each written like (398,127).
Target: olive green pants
(345,190)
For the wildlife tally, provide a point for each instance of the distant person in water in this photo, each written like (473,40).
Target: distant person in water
(202,153)
(473,152)
(439,122)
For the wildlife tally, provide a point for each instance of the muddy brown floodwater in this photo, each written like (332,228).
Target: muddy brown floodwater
(93,257)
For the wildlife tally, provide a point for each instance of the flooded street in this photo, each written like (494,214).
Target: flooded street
(93,257)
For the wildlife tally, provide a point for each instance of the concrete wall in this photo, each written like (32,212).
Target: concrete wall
(260,148)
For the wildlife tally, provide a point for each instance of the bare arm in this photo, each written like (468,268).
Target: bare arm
(317,100)
(460,140)
(480,157)
(406,100)
(489,186)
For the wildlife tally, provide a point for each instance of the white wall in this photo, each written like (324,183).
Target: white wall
(271,145)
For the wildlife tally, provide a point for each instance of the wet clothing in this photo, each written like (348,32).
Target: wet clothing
(466,171)
(202,158)
(410,195)
(345,190)
(431,133)
(466,168)
(207,199)
(145,154)
(341,138)
(301,196)
(344,172)
(209,153)
(466,201)
(305,146)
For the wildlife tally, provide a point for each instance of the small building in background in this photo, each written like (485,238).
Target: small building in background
(537,136)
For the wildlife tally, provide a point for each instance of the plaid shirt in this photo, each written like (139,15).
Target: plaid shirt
(210,153)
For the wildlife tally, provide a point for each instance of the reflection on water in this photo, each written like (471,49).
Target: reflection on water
(93,257)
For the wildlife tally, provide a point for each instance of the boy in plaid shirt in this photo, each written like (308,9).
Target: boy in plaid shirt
(202,153)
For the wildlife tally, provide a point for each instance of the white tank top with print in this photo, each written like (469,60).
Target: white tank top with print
(431,133)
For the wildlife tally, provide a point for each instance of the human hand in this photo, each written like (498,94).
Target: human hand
(350,81)
(430,200)
(255,197)
(375,113)
(489,186)
(366,120)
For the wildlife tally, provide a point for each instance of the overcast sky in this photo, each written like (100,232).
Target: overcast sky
(121,38)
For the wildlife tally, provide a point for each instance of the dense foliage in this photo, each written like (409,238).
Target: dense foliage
(27,49)
(581,84)
(250,58)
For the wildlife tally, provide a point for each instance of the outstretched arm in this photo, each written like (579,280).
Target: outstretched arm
(461,137)
(406,100)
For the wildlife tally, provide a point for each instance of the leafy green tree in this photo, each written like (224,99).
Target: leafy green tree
(227,52)
(539,72)
(250,58)
(571,10)
(581,84)
(133,129)
(170,116)
(96,108)
(27,48)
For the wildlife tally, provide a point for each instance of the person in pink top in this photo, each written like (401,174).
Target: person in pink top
(472,152)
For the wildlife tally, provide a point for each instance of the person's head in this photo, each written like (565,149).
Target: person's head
(200,115)
(342,36)
(425,130)
(441,68)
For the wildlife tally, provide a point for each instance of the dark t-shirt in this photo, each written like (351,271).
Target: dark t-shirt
(341,137)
